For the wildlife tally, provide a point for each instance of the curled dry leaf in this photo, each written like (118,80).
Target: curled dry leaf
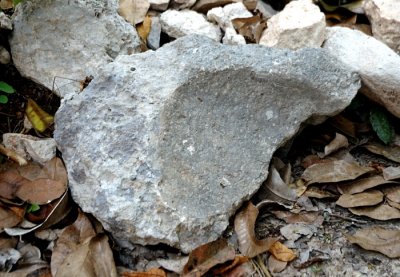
(10,216)
(245,221)
(315,192)
(275,265)
(12,155)
(133,11)
(203,258)
(276,185)
(380,212)
(281,252)
(361,185)
(41,191)
(227,268)
(313,159)
(250,27)
(368,198)
(143,29)
(40,119)
(379,239)
(391,173)
(338,142)
(334,171)
(390,152)
(393,204)
(10,181)
(344,125)
(392,193)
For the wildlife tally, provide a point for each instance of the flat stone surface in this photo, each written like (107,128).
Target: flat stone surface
(169,155)
(46,43)
(224,16)
(377,64)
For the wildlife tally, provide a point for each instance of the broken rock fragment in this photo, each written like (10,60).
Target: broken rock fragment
(169,155)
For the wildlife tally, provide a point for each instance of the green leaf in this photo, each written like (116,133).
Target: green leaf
(6,87)
(3,99)
(381,125)
(32,208)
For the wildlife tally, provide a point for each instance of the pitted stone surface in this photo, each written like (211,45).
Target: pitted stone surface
(68,40)
(165,146)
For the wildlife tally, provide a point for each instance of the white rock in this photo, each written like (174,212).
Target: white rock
(4,55)
(153,39)
(159,5)
(265,9)
(182,23)
(300,24)
(231,37)
(5,22)
(182,4)
(40,150)
(377,64)
(384,16)
(224,16)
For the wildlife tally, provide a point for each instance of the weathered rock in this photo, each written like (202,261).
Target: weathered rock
(232,38)
(377,64)
(168,155)
(5,22)
(153,39)
(133,11)
(68,39)
(4,55)
(203,6)
(224,16)
(300,24)
(265,9)
(182,23)
(384,16)
(159,5)
(182,4)
(30,147)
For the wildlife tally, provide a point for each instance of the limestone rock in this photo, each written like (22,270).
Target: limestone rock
(224,16)
(5,22)
(159,5)
(232,38)
(377,64)
(300,24)
(384,16)
(168,155)
(153,39)
(68,39)
(203,6)
(182,23)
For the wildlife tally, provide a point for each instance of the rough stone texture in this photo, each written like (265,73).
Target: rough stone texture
(168,155)
(5,22)
(300,24)
(153,39)
(4,55)
(232,38)
(384,16)
(30,147)
(224,16)
(204,6)
(182,23)
(68,39)
(377,64)
(159,5)
(265,9)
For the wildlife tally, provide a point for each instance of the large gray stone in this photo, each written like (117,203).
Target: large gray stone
(164,146)
(68,40)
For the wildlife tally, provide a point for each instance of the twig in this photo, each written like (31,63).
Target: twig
(12,155)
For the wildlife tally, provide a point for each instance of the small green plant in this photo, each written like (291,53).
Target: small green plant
(4,87)
(381,124)
(32,208)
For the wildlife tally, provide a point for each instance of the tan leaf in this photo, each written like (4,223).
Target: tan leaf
(143,29)
(6,4)
(303,217)
(13,155)
(245,221)
(392,193)
(91,258)
(154,272)
(133,11)
(53,169)
(379,239)
(338,142)
(281,252)
(313,159)
(393,204)
(368,198)
(390,152)
(334,171)
(10,216)
(9,183)
(319,193)
(250,27)
(8,242)
(275,265)
(203,258)
(361,185)
(380,212)
(391,173)
(40,119)
(41,191)
(275,184)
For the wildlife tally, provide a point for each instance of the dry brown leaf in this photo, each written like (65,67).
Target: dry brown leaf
(133,11)
(380,212)
(7,242)
(227,268)
(391,173)
(334,171)
(319,193)
(368,198)
(393,204)
(143,29)
(344,125)
(281,252)
(379,239)
(390,152)
(203,258)
(361,185)
(40,119)
(9,183)
(6,4)
(91,258)
(250,27)
(338,142)
(392,193)
(245,221)
(53,169)
(314,159)
(276,185)
(41,191)
(10,216)
(304,217)
(153,272)
(340,19)
(12,155)
(275,265)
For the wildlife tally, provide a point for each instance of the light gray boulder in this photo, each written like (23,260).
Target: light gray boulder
(377,64)
(165,146)
(68,40)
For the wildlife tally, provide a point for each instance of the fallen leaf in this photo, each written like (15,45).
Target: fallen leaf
(6,4)
(368,198)
(53,169)
(390,152)
(276,185)
(391,173)
(281,252)
(245,221)
(361,185)
(250,27)
(393,204)
(12,155)
(313,159)
(334,171)
(338,142)
(385,241)
(153,272)
(275,265)
(9,183)
(315,192)
(7,242)
(40,119)
(380,212)
(143,29)
(41,191)
(133,11)
(227,268)
(392,193)
(381,124)
(204,257)
(344,125)
(304,217)
(10,216)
